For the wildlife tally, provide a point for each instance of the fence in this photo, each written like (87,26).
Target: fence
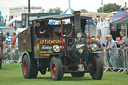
(10,54)
(119,61)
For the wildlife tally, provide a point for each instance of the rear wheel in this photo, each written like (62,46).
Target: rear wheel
(56,68)
(29,68)
(96,70)
(77,74)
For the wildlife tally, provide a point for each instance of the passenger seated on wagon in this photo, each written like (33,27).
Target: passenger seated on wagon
(46,30)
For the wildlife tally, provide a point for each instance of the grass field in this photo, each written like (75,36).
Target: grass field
(11,74)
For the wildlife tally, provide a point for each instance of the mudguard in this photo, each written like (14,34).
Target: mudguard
(25,53)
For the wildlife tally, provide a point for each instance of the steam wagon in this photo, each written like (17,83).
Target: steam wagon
(66,48)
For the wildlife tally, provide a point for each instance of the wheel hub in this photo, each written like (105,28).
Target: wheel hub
(53,67)
(25,67)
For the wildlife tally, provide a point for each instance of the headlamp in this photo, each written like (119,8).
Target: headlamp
(94,47)
(56,48)
(79,35)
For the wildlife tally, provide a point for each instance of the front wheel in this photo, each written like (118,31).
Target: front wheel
(96,70)
(29,68)
(56,68)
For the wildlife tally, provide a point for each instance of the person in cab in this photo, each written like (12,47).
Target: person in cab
(45,30)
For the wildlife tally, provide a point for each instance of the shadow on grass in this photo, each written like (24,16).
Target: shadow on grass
(68,78)
(75,79)
(3,69)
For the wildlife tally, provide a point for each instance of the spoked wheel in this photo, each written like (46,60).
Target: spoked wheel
(56,68)
(77,74)
(96,70)
(29,68)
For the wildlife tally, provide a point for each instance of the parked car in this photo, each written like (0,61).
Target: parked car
(67,52)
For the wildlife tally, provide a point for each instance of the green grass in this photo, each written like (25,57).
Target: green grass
(11,74)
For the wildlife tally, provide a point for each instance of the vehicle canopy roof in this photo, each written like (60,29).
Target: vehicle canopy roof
(60,17)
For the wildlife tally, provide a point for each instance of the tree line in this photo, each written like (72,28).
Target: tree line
(107,8)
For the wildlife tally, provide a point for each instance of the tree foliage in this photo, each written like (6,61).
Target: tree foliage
(109,8)
(83,11)
(55,10)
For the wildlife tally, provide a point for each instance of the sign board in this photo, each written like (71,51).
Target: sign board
(46,46)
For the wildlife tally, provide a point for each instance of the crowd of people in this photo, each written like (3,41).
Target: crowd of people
(9,44)
(110,46)
(8,40)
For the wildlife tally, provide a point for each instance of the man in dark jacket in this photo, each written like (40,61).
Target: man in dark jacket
(45,29)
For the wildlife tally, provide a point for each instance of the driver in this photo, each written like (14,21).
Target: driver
(45,29)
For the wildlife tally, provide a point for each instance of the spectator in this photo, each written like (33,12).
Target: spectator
(91,38)
(122,43)
(107,57)
(14,38)
(94,41)
(107,40)
(1,40)
(8,39)
(113,52)
(98,38)
(1,37)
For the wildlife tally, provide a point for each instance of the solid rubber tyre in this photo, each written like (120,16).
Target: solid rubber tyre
(29,68)
(97,68)
(56,68)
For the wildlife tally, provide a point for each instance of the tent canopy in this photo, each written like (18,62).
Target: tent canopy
(120,18)
(13,20)
(68,11)
(121,21)
(119,15)
(91,22)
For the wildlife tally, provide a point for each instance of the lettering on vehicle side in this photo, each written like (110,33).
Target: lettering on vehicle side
(46,47)
(58,41)
(45,55)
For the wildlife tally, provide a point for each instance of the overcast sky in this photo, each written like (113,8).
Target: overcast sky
(90,5)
